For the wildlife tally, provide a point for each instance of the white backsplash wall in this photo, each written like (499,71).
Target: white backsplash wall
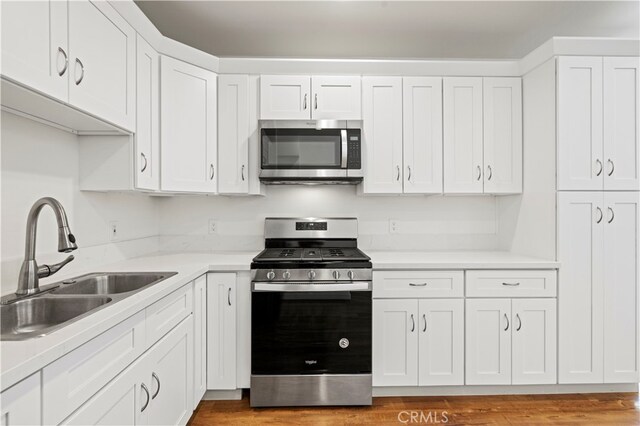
(37,161)
(421,222)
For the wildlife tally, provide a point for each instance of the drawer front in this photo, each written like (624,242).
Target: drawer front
(167,312)
(399,284)
(506,283)
(74,378)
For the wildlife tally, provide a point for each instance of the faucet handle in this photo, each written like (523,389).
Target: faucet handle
(48,270)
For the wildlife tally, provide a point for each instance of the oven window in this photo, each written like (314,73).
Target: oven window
(301,149)
(300,333)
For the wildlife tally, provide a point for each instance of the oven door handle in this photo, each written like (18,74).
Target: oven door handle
(304,288)
(343,140)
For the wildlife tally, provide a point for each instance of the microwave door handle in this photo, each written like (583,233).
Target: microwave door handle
(343,140)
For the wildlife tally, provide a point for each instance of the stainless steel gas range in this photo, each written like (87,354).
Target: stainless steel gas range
(311,315)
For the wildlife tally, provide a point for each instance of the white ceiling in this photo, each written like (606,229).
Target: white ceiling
(386,29)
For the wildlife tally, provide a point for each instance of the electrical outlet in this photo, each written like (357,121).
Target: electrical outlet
(213,226)
(113,230)
(393,226)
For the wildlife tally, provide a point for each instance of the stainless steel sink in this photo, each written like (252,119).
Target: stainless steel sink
(41,315)
(62,303)
(111,283)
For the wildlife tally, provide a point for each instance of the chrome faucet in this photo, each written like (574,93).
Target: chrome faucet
(30,272)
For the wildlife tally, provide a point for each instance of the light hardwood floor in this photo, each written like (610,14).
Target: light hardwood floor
(591,409)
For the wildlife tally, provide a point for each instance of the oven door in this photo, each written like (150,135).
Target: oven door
(310,329)
(300,153)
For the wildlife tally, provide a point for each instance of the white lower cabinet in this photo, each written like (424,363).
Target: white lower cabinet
(510,341)
(199,339)
(21,403)
(154,390)
(221,331)
(418,342)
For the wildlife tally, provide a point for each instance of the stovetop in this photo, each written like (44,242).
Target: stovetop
(311,254)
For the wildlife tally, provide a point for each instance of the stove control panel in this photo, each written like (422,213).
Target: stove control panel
(315,275)
(311,226)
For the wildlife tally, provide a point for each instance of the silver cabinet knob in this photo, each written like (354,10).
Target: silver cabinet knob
(350,275)
(271,275)
(286,275)
(312,275)
(336,275)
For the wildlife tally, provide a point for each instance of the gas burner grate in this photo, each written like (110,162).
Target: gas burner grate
(287,253)
(333,252)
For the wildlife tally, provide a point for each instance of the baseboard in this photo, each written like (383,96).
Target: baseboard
(219,395)
(502,390)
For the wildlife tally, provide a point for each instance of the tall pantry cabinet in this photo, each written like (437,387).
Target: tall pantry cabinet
(598,218)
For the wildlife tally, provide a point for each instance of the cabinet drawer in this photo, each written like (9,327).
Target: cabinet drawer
(74,378)
(397,284)
(517,283)
(167,312)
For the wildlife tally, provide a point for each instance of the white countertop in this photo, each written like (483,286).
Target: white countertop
(19,359)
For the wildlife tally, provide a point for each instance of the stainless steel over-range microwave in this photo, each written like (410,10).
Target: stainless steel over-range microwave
(300,152)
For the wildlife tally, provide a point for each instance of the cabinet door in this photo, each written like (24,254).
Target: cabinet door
(34,45)
(285,97)
(121,402)
(488,341)
(395,342)
(534,341)
(243,330)
(221,331)
(580,287)
(199,339)
(233,134)
(580,156)
(621,123)
(422,125)
(170,377)
(621,266)
(188,127)
(21,403)
(147,137)
(336,98)
(382,134)
(102,58)
(502,116)
(463,135)
(441,342)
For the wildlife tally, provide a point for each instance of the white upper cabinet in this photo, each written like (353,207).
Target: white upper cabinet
(233,134)
(301,97)
(621,278)
(580,153)
(187,127)
(382,135)
(502,114)
(336,98)
(621,123)
(147,137)
(422,144)
(102,58)
(463,163)
(285,97)
(34,45)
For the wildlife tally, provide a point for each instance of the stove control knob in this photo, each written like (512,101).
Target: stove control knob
(350,275)
(312,275)
(271,275)
(336,275)
(286,275)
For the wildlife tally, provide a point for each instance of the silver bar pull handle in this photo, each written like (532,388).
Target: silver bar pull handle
(304,103)
(409,177)
(398,171)
(79,62)
(229,296)
(424,317)
(511,284)
(144,157)
(66,62)
(613,167)
(417,284)
(413,324)
(519,322)
(146,391)
(600,167)
(613,215)
(155,376)
(479,173)
(212,172)
(490,172)
(599,219)
(315,101)
(242,173)
(506,318)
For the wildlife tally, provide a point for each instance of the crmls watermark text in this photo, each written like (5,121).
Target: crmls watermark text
(429,417)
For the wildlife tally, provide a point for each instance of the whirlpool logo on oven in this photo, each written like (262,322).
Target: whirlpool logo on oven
(311,361)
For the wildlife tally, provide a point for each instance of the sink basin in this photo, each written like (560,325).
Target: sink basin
(41,315)
(111,283)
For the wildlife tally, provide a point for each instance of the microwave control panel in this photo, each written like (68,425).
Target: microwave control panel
(353,150)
